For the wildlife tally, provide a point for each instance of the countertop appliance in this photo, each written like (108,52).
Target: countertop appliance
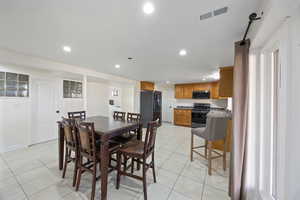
(199,113)
(151,105)
(201,94)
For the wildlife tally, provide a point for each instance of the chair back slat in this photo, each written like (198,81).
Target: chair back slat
(86,139)
(77,115)
(69,132)
(134,117)
(119,115)
(150,137)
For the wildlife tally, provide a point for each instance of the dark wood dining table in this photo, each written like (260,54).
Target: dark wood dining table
(106,128)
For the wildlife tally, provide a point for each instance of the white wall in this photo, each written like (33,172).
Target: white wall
(17,115)
(292,186)
(286,38)
(97,99)
(14,123)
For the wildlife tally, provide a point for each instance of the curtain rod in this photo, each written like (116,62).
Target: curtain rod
(252,17)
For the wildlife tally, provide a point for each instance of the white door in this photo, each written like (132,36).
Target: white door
(44,110)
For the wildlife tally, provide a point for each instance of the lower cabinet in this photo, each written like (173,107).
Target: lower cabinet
(183,117)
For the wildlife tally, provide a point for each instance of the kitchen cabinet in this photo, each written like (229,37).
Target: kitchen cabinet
(188,91)
(183,117)
(226,82)
(214,92)
(185,91)
(145,85)
(179,91)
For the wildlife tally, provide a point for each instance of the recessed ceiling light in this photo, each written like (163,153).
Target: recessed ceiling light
(182,52)
(117,66)
(67,49)
(148,8)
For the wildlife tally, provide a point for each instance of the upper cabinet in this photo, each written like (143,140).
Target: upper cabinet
(226,82)
(145,85)
(185,91)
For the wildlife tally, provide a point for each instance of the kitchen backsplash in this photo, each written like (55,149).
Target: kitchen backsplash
(214,102)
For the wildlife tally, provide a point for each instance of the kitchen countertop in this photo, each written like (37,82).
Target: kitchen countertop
(184,107)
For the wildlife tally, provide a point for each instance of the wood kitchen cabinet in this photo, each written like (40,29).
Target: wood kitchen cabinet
(214,92)
(185,91)
(183,117)
(188,91)
(226,82)
(145,85)
(179,91)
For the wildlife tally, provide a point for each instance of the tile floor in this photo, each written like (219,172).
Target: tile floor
(32,174)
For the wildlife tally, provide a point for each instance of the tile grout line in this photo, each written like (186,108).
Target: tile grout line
(179,175)
(15,177)
(204,184)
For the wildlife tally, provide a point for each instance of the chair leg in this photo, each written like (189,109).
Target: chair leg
(205,149)
(125,163)
(94,181)
(209,157)
(144,180)
(79,172)
(224,155)
(75,169)
(192,146)
(118,170)
(65,163)
(132,165)
(153,168)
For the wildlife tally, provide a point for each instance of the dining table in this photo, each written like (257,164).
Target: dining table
(106,128)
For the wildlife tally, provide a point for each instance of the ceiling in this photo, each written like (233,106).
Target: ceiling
(104,33)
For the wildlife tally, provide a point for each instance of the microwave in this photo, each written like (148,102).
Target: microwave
(201,94)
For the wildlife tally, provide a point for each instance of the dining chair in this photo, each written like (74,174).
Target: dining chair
(216,129)
(127,137)
(89,150)
(140,151)
(71,146)
(119,115)
(77,115)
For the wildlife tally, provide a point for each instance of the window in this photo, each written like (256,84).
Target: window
(14,85)
(72,89)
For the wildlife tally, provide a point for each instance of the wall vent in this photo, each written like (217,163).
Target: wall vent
(214,13)
(220,11)
(206,16)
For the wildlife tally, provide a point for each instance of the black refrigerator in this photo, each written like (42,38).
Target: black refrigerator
(150,106)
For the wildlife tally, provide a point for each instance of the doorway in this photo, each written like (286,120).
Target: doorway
(45,112)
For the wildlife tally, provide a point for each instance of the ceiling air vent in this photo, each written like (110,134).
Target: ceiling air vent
(214,13)
(220,11)
(206,16)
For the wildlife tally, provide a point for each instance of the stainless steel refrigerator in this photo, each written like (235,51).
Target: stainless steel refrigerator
(150,106)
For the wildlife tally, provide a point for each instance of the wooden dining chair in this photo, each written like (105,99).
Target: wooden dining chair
(89,148)
(140,151)
(71,146)
(77,115)
(119,115)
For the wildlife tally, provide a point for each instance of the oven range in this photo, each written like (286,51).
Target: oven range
(199,113)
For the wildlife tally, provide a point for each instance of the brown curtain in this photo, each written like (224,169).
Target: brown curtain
(240,117)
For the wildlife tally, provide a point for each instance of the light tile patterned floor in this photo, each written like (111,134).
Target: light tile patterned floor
(32,174)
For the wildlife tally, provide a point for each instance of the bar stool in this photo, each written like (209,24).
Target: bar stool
(215,129)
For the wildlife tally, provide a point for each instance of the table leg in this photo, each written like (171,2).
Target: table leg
(61,146)
(139,137)
(104,169)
